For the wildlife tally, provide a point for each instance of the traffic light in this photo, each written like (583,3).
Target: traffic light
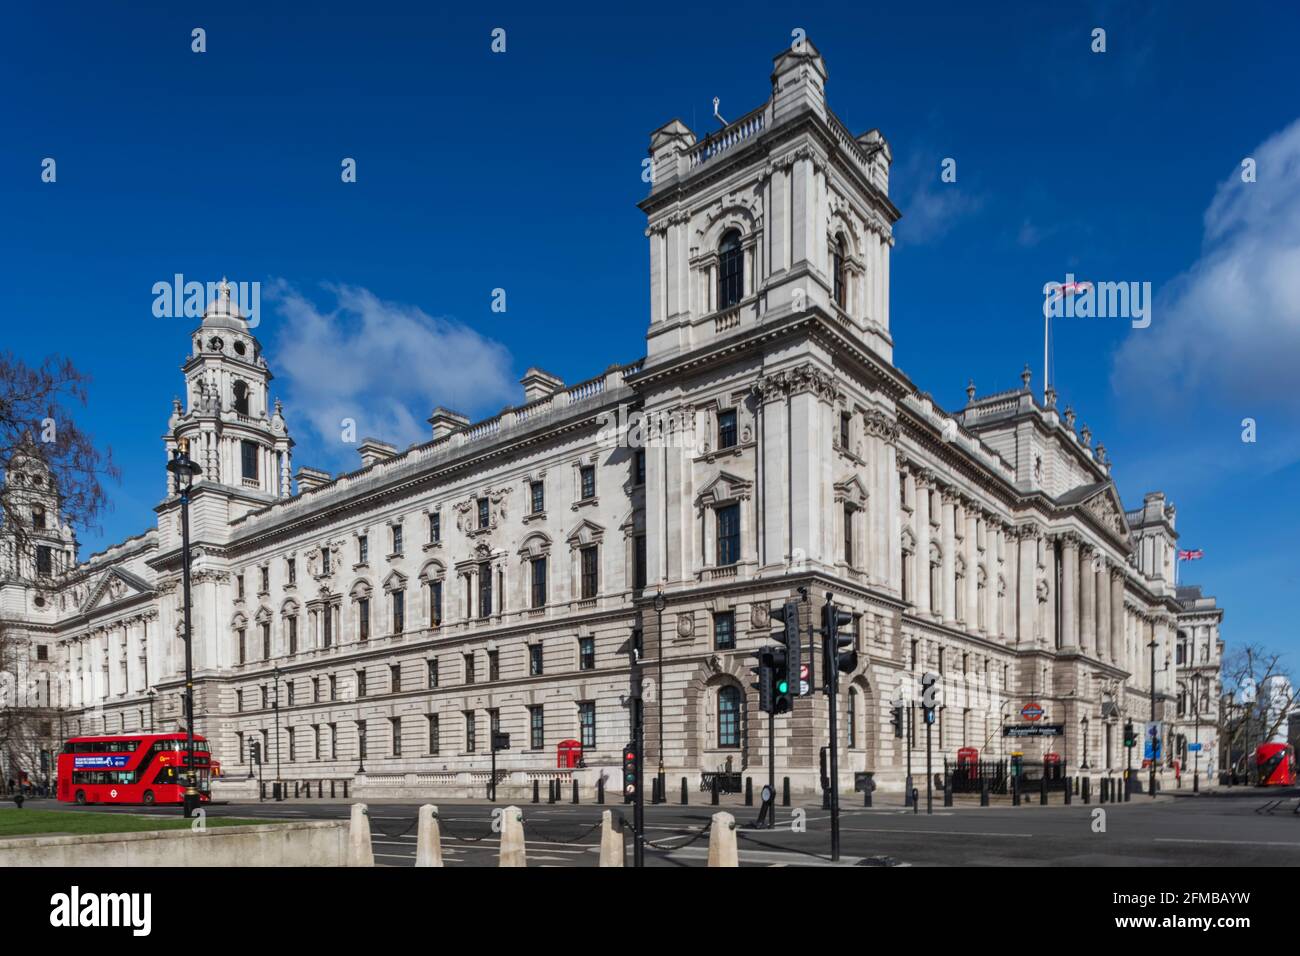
(765,682)
(897,720)
(838,648)
(255,751)
(929,695)
(631,773)
(1130,736)
(786,659)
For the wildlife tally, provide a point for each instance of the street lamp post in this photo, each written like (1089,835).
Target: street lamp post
(1155,739)
(275,674)
(660,603)
(184,471)
(1196,754)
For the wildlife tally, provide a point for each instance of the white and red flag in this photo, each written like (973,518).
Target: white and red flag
(1191,555)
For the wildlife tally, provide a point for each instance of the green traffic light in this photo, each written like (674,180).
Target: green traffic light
(782,687)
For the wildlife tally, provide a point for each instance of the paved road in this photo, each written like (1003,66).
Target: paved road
(1171,831)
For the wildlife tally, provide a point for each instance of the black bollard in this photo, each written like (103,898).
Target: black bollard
(715,789)
(550,795)
(749,791)
(575,791)
(868,789)
(1015,791)
(785,791)
(683,791)
(1042,791)
(1085,790)
(600,789)
(916,803)
(947,790)
(908,790)
(537,791)
(1069,789)
(984,791)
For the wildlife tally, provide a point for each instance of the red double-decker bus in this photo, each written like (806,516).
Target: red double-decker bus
(1275,765)
(132,768)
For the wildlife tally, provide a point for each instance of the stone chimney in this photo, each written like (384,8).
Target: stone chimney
(539,383)
(309,478)
(372,451)
(798,81)
(445,421)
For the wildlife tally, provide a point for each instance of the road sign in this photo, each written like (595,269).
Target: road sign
(1032,710)
(1033,730)
(803,680)
(1194,747)
(1151,749)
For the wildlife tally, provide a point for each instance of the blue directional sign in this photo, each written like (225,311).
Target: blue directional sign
(1194,747)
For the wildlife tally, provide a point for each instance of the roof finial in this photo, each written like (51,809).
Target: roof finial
(970,391)
(1026,376)
(224,287)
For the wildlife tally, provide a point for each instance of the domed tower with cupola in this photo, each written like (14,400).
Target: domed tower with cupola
(233,430)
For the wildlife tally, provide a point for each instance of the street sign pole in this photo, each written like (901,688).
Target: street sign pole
(929,778)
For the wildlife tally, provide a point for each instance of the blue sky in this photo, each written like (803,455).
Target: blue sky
(521,171)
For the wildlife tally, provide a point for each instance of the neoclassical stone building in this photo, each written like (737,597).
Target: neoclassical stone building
(504,572)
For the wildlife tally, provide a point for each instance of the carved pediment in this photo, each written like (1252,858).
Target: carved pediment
(852,491)
(584,533)
(1106,508)
(114,585)
(724,487)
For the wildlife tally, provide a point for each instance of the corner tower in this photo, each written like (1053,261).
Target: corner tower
(781,212)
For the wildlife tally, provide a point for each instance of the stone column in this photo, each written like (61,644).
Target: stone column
(921,517)
(1087,600)
(1117,635)
(973,622)
(1026,594)
(949,545)
(1069,580)
(775,469)
(1102,585)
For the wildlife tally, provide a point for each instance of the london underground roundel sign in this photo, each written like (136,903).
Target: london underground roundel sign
(1031,711)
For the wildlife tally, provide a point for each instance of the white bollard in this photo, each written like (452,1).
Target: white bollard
(611,841)
(722,841)
(428,845)
(360,851)
(512,838)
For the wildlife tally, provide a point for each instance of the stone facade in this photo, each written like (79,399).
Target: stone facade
(506,571)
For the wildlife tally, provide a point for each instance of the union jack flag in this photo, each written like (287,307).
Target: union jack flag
(1191,555)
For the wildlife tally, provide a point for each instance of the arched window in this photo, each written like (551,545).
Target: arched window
(241,398)
(729,716)
(731,270)
(838,257)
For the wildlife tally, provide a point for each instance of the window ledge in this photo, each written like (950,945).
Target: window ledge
(586,502)
(534,516)
(430,545)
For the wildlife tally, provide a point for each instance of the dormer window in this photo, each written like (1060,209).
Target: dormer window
(731,270)
(838,259)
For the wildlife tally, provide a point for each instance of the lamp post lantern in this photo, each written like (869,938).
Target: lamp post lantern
(1196,709)
(1084,765)
(275,674)
(660,603)
(183,472)
(1155,739)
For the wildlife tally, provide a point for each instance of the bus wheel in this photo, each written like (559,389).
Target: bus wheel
(81,797)
(148,797)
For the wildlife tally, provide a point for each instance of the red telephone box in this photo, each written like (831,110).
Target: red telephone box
(568,754)
(968,757)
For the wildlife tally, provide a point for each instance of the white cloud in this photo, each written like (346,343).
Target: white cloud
(1229,327)
(383,364)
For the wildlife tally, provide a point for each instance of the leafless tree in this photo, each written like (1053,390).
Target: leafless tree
(1259,694)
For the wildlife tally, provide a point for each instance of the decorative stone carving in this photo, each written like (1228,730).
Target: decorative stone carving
(685,625)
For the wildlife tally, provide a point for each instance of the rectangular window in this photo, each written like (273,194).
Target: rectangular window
(395,723)
(433,673)
(539,581)
(325,560)
(363,618)
(243,647)
(494,665)
(399,611)
(848,535)
(639,563)
(44,559)
(293,635)
(397,539)
(534,659)
(536,728)
(315,690)
(315,734)
(334,741)
(291,569)
(239,587)
(470,743)
(586,653)
(435,603)
(846,421)
(640,466)
(724,630)
(484,590)
(266,580)
(363,549)
(538,491)
(587,724)
(361,739)
(361,683)
(327,625)
(469,668)
(435,528)
(726,429)
(587,474)
(395,677)
(434,748)
(484,514)
(590,583)
(38,517)
(728,534)
(334,687)
(266,642)
(248,458)
(293,744)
